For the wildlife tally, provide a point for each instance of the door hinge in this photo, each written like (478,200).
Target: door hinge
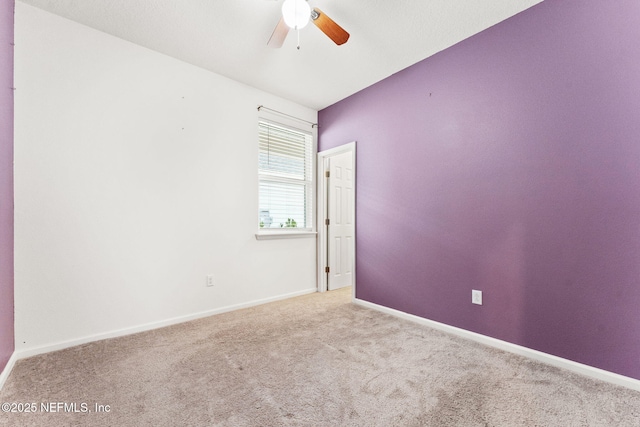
(326,269)
(326,221)
(326,174)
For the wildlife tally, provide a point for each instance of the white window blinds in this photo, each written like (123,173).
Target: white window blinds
(285,178)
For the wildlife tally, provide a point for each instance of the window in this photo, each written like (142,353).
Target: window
(285,178)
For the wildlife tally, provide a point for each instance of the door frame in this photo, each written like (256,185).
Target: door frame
(321,216)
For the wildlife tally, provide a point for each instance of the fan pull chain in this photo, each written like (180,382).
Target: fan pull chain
(298,31)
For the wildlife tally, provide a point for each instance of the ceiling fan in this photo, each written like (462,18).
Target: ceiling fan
(296,14)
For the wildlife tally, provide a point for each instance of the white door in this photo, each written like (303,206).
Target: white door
(341,230)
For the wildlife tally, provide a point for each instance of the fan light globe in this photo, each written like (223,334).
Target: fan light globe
(296,13)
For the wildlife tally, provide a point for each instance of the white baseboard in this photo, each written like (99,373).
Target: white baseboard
(7,369)
(539,356)
(28,352)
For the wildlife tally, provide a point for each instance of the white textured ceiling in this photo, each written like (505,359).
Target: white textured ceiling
(229,37)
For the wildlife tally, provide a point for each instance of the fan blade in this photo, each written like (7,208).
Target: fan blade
(334,31)
(279,34)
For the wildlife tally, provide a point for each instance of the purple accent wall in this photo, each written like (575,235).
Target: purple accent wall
(6,182)
(509,163)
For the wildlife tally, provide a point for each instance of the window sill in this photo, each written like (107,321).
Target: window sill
(285,235)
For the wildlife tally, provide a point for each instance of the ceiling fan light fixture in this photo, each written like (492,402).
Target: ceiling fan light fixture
(296,13)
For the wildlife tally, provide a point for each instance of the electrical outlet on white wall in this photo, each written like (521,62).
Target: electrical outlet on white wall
(210,280)
(476,297)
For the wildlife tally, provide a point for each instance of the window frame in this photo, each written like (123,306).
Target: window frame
(301,126)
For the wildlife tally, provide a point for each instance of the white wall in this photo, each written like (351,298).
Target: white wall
(135,177)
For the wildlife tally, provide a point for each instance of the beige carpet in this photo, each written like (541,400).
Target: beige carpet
(315,360)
